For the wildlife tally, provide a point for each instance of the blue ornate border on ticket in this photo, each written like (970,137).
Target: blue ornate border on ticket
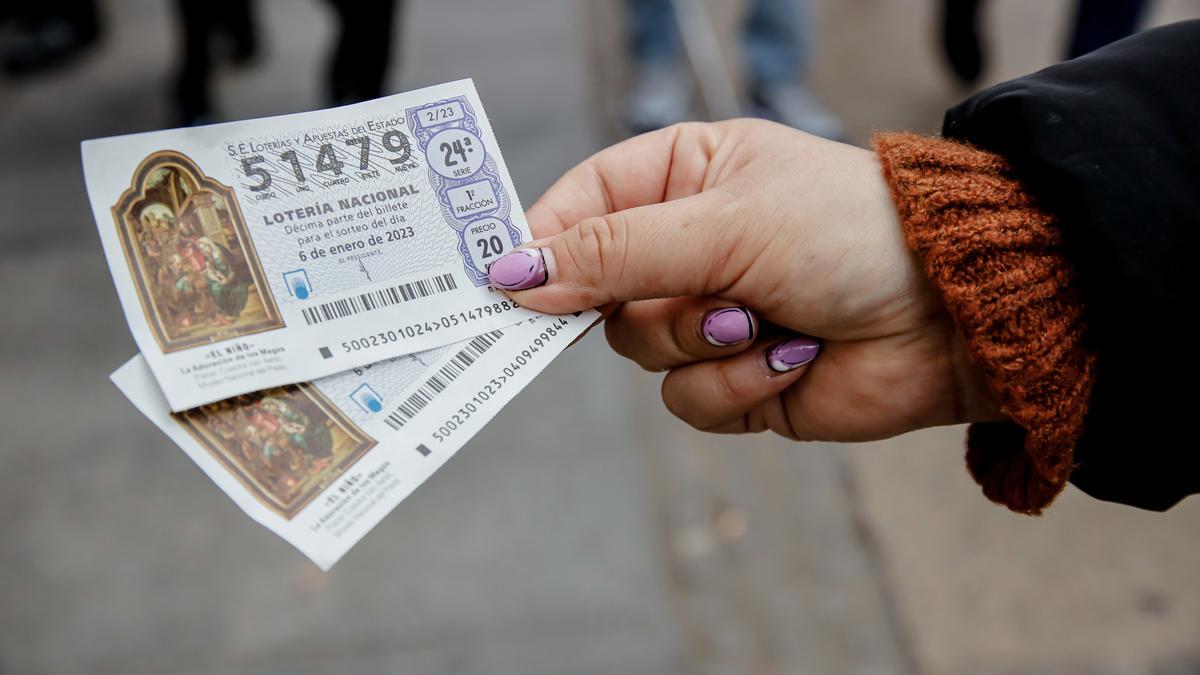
(469,189)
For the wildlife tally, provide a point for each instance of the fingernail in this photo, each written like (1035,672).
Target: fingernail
(728,326)
(523,268)
(793,353)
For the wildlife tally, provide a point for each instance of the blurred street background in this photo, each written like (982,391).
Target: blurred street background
(584,531)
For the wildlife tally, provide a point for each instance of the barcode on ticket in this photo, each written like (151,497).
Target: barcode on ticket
(384,297)
(438,382)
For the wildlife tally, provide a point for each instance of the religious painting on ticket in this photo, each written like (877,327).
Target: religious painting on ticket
(285,445)
(193,264)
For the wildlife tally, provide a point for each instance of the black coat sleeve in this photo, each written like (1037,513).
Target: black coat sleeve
(1110,144)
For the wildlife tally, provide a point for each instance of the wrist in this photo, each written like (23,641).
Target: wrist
(994,257)
(975,401)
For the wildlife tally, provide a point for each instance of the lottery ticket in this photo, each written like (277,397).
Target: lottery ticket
(321,463)
(266,252)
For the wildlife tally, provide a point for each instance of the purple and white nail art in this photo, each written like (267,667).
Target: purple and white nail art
(793,353)
(728,326)
(522,269)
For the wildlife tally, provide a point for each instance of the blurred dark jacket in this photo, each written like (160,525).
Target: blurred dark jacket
(1110,144)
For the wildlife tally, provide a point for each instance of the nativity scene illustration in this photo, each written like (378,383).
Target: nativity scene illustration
(285,445)
(190,255)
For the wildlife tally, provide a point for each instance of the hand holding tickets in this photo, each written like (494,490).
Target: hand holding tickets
(317,284)
(695,235)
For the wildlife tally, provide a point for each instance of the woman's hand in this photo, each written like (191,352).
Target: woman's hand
(672,226)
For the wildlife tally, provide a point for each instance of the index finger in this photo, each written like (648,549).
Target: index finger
(648,169)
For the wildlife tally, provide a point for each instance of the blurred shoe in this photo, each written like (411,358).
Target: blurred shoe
(658,98)
(960,39)
(49,42)
(795,106)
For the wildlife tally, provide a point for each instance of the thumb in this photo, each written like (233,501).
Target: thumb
(680,247)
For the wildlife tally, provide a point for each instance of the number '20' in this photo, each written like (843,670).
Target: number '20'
(491,246)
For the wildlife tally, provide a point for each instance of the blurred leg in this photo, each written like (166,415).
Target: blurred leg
(654,37)
(237,22)
(360,61)
(1099,22)
(960,38)
(658,95)
(777,46)
(776,41)
(191,95)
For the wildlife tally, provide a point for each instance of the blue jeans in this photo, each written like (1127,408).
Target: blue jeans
(775,38)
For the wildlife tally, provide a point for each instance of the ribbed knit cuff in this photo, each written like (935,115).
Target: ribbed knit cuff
(995,258)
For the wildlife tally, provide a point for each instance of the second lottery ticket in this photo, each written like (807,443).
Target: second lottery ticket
(321,463)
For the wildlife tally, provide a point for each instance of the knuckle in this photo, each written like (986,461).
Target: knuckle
(677,404)
(685,337)
(792,426)
(728,390)
(627,346)
(680,127)
(693,134)
(755,421)
(789,433)
(689,129)
(596,247)
(738,425)
(616,338)
(650,366)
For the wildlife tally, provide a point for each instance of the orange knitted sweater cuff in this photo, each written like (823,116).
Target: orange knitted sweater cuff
(996,260)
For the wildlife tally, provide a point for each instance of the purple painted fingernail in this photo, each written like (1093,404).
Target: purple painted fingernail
(793,353)
(728,326)
(523,268)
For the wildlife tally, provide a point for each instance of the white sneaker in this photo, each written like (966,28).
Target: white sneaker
(795,106)
(657,98)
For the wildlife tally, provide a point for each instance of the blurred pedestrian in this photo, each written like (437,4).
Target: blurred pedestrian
(358,68)
(1096,23)
(1100,22)
(213,32)
(1026,273)
(225,31)
(775,45)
